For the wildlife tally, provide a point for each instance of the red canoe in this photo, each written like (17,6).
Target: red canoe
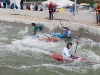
(58,57)
(50,39)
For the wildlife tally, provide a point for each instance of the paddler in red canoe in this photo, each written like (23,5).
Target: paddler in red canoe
(53,39)
(66,53)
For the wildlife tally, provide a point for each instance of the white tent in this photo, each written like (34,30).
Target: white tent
(64,3)
(48,1)
(60,3)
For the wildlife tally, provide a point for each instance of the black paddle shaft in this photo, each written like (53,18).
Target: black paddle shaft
(77,42)
(45,35)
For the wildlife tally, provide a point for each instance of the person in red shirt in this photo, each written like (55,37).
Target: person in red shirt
(51,10)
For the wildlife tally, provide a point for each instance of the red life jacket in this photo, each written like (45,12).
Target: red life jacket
(51,7)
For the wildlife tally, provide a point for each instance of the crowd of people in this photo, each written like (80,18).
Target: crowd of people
(34,6)
(30,6)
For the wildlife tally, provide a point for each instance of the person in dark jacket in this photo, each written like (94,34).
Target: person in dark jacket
(51,10)
(4,3)
(36,7)
(37,27)
(21,4)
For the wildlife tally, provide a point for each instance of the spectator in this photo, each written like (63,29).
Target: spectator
(28,6)
(12,6)
(0,3)
(98,13)
(36,7)
(21,4)
(40,7)
(51,10)
(4,3)
(8,3)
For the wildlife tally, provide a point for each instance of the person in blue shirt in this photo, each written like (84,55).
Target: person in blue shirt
(67,32)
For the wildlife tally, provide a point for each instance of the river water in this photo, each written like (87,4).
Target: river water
(20,54)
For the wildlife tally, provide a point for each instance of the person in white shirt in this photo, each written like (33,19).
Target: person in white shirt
(66,53)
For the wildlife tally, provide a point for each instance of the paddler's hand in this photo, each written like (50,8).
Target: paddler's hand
(74,55)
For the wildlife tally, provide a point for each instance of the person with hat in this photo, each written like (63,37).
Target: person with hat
(51,10)
(66,53)
(37,27)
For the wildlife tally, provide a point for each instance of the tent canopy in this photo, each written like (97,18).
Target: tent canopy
(48,2)
(64,3)
(60,3)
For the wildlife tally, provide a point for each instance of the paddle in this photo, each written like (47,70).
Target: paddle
(77,42)
(45,35)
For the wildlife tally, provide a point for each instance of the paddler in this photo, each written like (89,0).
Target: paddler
(67,32)
(37,27)
(66,53)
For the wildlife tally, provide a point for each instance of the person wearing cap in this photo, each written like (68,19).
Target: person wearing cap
(66,53)
(37,27)
(67,32)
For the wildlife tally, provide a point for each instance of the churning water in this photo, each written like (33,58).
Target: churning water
(20,54)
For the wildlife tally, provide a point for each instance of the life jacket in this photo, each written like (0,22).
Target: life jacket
(51,7)
(67,33)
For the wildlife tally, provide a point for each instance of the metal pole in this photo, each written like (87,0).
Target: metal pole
(75,7)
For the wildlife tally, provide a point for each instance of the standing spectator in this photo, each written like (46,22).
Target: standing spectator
(51,10)
(4,3)
(0,3)
(36,7)
(40,7)
(31,7)
(21,4)
(98,12)
(72,9)
(8,3)
(28,6)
